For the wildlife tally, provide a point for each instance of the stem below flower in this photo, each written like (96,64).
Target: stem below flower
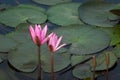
(107,64)
(52,66)
(39,64)
(94,63)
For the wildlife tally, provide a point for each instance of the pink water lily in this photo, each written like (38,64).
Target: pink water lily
(38,34)
(54,42)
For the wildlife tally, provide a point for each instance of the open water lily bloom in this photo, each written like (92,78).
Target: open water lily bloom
(54,42)
(38,34)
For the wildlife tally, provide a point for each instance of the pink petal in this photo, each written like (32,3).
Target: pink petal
(39,26)
(44,32)
(60,47)
(47,38)
(54,39)
(38,32)
(58,41)
(32,33)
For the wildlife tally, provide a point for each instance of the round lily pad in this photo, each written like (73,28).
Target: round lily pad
(97,13)
(82,71)
(64,14)
(51,2)
(16,15)
(83,38)
(20,37)
(24,58)
(7,44)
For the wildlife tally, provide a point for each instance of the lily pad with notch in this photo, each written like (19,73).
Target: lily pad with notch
(83,38)
(97,12)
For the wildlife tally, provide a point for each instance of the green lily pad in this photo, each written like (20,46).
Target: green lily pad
(61,60)
(16,15)
(32,7)
(82,71)
(24,58)
(116,51)
(7,44)
(64,14)
(23,27)
(116,35)
(75,59)
(20,37)
(97,13)
(102,64)
(83,38)
(51,2)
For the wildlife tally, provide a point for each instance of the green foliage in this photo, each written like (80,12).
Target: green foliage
(51,2)
(79,27)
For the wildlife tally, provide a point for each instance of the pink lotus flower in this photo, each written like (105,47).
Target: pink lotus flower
(54,42)
(38,34)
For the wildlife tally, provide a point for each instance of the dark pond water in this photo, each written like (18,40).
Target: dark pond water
(114,73)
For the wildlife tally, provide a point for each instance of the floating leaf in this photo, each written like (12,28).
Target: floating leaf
(101,61)
(116,51)
(7,44)
(20,37)
(24,58)
(16,15)
(32,7)
(64,14)
(23,27)
(116,35)
(83,38)
(82,71)
(51,2)
(78,59)
(97,13)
